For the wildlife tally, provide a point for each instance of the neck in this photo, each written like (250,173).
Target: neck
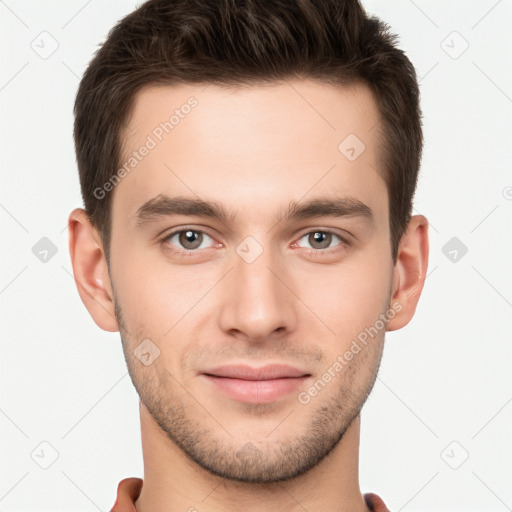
(173,482)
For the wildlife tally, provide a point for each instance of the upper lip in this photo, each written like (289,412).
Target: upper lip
(267,372)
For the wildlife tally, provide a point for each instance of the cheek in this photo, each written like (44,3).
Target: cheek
(152,293)
(158,303)
(351,297)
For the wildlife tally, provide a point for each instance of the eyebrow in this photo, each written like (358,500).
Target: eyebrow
(164,206)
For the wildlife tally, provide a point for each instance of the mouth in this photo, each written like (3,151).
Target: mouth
(256,385)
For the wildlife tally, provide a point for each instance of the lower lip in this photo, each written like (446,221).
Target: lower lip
(257,391)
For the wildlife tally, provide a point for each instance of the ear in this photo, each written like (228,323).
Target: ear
(409,272)
(90,270)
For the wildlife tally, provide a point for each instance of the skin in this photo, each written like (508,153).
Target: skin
(253,150)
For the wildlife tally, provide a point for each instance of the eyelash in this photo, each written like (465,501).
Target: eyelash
(318,252)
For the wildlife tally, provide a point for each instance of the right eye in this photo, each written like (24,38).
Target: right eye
(189,239)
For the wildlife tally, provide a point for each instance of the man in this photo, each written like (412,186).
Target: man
(248,170)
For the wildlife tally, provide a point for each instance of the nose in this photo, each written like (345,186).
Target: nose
(258,302)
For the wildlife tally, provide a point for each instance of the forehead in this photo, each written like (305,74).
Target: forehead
(251,147)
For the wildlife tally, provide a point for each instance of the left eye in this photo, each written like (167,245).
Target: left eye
(322,239)
(190,239)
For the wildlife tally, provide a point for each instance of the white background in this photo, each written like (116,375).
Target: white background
(445,386)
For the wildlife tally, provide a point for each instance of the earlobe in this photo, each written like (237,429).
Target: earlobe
(409,272)
(90,270)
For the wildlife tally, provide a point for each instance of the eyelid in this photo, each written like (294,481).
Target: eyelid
(344,235)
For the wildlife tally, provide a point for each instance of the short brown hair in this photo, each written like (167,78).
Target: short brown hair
(246,42)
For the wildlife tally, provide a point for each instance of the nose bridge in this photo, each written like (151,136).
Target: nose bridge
(257,302)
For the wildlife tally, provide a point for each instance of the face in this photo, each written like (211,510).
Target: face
(249,317)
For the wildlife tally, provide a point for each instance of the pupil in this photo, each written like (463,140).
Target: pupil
(322,238)
(190,237)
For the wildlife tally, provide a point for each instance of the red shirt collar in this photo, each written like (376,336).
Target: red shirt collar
(129,489)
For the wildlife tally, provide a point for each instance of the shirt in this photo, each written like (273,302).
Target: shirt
(129,489)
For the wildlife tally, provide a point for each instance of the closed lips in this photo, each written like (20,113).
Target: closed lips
(268,372)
